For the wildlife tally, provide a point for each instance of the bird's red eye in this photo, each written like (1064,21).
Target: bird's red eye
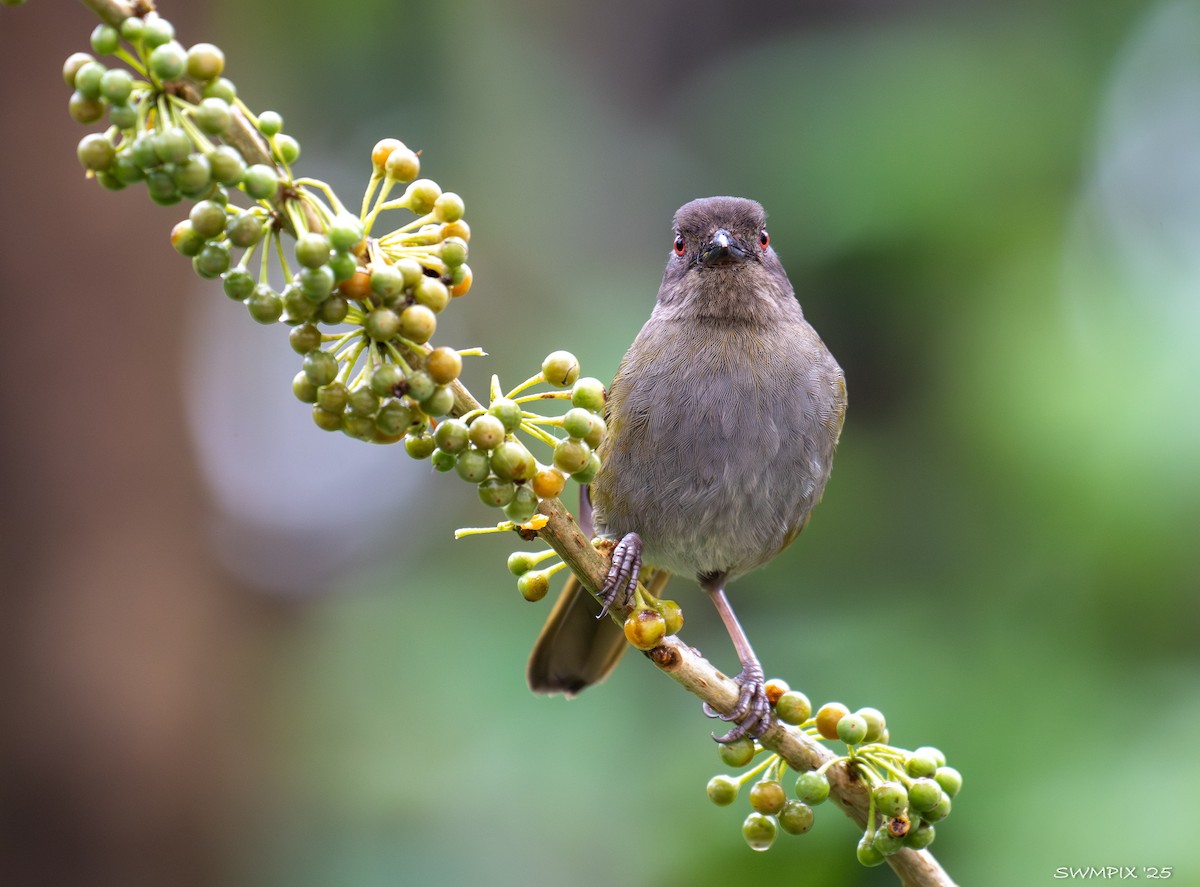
(680,246)
(764,239)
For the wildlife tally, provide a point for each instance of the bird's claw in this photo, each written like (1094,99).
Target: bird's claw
(623,573)
(751,716)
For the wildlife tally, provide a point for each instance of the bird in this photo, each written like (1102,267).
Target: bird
(723,419)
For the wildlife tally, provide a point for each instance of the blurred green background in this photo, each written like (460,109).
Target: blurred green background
(235,651)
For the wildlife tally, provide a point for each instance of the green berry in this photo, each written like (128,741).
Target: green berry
(117,85)
(208,218)
(105,39)
(520,563)
(738,753)
(303,388)
(161,187)
(245,228)
(875,723)
(419,445)
(852,729)
(512,461)
(316,283)
(126,170)
(221,88)
(264,304)
(431,293)
(270,123)
(394,417)
(588,472)
(890,798)
(122,116)
(421,195)
(452,435)
(645,628)
(924,794)
(194,176)
(420,386)
(334,310)
(598,431)
(440,403)
(866,852)
(410,270)
(402,165)
(205,62)
(885,842)
(487,431)
(212,260)
(133,29)
(312,249)
(508,412)
(578,422)
(343,265)
(571,455)
(759,831)
(920,765)
(213,115)
(417,324)
(472,465)
(722,790)
(920,837)
(227,165)
(346,232)
(96,152)
(767,796)
(496,492)
(812,787)
(185,239)
(362,428)
(303,339)
(442,461)
(672,615)
(168,61)
(144,152)
(453,251)
(71,66)
(260,181)
(949,779)
(560,369)
(793,707)
(333,396)
(534,585)
(320,366)
(156,31)
(386,381)
(387,281)
(939,811)
(287,149)
(448,207)
(363,402)
(928,751)
(796,818)
(523,505)
(298,307)
(87,79)
(83,109)
(325,420)
(172,145)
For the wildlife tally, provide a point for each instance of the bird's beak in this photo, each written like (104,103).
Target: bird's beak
(721,249)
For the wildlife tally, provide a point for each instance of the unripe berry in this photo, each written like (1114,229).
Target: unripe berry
(472,465)
(205,62)
(793,707)
(759,831)
(560,368)
(496,492)
(533,585)
(645,629)
(796,818)
(738,753)
(949,779)
(508,412)
(767,796)
(486,431)
(852,729)
(890,798)
(812,787)
(417,324)
(722,790)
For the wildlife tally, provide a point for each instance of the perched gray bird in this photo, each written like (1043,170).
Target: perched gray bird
(722,423)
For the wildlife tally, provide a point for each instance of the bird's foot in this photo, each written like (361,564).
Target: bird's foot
(752,714)
(623,573)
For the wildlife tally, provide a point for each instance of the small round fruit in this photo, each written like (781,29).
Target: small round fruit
(443,365)
(244,229)
(875,723)
(949,779)
(303,339)
(205,62)
(495,492)
(866,852)
(185,239)
(287,149)
(571,455)
(363,401)
(886,842)
(382,324)
(767,796)
(523,505)
(417,324)
(588,393)
(212,260)
(387,379)
(208,219)
(394,417)
(534,585)
(759,831)
(588,472)
(812,787)
(270,123)
(168,61)
(520,563)
(420,386)
(452,435)
(487,431)
(117,85)
(939,811)
(722,790)
(264,305)
(304,389)
(793,707)
(420,445)
(83,109)
(345,232)
(213,115)
(891,799)
(71,66)
(645,629)
(548,483)
(738,753)
(326,420)
(96,152)
(260,181)
(920,837)
(920,765)
(828,716)
(320,366)
(421,195)
(796,818)
(105,39)
(924,794)
(333,397)
(383,148)
(672,614)
(312,249)
(238,284)
(511,460)
(508,412)
(448,207)
(431,293)
(852,729)
(472,466)
(442,461)
(928,751)
(560,368)
(578,422)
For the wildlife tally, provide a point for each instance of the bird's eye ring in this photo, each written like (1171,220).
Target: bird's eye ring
(764,239)
(680,246)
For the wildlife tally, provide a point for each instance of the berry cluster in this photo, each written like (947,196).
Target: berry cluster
(177,125)
(909,790)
